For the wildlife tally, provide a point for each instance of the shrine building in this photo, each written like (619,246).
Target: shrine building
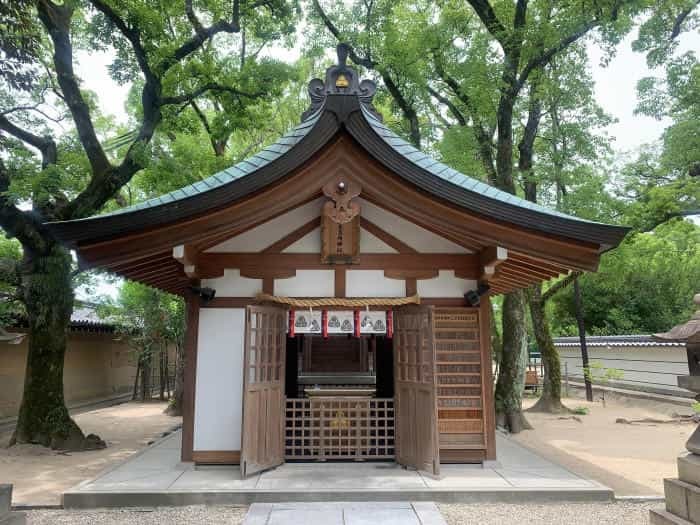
(338,289)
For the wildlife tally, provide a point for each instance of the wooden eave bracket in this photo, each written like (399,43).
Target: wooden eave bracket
(187,256)
(489,259)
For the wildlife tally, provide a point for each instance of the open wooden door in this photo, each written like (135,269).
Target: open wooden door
(263,389)
(417,442)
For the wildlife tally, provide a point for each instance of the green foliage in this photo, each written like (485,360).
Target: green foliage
(644,286)
(580,411)
(597,374)
(696,407)
(150,319)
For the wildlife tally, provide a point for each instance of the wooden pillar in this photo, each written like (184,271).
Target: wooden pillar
(489,408)
(192,305)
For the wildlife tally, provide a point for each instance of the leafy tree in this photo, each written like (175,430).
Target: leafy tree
(173,55)
(642,287)
(153,321)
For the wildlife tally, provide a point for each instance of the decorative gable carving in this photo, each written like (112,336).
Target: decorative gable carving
(340,223)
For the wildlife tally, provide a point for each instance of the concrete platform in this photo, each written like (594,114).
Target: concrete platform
(156,477)
(343,513)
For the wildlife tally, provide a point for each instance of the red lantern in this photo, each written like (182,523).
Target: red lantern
(324,323)
(357,323)
(291,323)
(390,323)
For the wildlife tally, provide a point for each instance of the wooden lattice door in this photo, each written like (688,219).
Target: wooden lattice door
(263,395)
(417,443)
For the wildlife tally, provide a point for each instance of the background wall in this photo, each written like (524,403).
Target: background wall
(96,366)
(652,369)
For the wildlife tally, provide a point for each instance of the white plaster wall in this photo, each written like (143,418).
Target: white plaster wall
(219,388)
(642,367)
(264,235)
(372,283)
(370,243)
(307,283)
(445,285)
(309,243)
(233,285)
(415,236)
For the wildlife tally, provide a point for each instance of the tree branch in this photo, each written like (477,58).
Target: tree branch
(131,34)
(488,17)
(456,113)
(25,226)
(356,59)
(682,16)
(45,145)
(545,56)
(188,97)
(202,34)
(56,20)
(559,286)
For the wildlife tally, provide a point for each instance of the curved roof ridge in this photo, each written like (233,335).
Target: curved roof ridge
(465,182)
(245,167)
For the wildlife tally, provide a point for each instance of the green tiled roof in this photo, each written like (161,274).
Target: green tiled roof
(243,168)
(443,171)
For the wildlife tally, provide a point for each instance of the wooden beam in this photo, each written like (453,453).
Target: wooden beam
(490,258)
(261,273)
(186,255)
(386,237)
(411,274)
(192,303)
(411,286)
(340,282)
(291,238)
(209,263)
(517,271)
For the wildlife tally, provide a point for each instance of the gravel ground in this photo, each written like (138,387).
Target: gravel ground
(621,513)
(197,514)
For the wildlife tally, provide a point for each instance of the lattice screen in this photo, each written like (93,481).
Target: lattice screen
(458,366)
(339,428)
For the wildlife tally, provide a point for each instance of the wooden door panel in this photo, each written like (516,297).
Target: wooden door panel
(263,396)
(417,444)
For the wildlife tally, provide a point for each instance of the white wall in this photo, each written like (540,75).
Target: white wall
(644,367)
(233,285)
(267,233)
(307,283)
(372,283)
(445,285)
(219,389)
(415,236)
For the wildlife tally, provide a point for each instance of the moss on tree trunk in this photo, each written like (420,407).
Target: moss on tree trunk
(48,297)
(550,400)
(511,374)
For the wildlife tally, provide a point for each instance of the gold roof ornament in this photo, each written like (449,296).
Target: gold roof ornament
(341,81)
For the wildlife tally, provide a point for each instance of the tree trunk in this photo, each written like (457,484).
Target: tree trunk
(511,375)
(578,305)
(48,297)
(175,405)
(550,400)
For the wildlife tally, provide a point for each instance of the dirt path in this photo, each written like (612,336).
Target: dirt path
(630,459)
(40,475)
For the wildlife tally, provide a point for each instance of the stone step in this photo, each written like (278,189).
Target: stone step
(664,517)
(5,499)
(682,499)
(7,517)
(689,468)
